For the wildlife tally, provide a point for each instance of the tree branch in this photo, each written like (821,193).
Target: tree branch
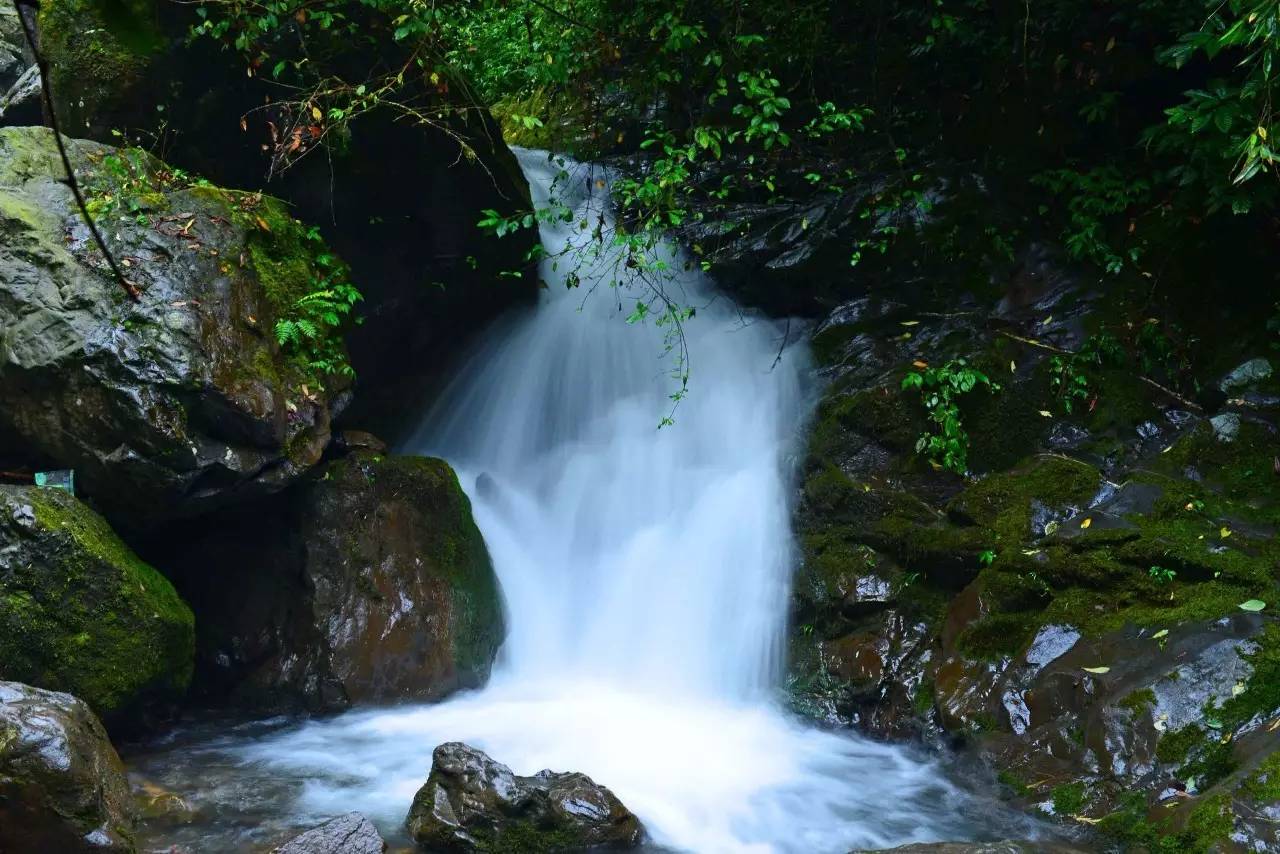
(130,289)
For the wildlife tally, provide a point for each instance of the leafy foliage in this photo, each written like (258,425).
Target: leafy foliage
(940,390)
(313,330)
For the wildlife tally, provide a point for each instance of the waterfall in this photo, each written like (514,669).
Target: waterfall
(630,555)
(645,574)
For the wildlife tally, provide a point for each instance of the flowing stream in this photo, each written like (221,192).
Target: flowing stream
(645,573)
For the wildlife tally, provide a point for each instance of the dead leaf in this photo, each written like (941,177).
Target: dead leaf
(1086,523)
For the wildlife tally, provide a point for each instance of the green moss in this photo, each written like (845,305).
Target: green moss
(1213,760)
(925,698)
(95,63)
(1007,427)
(1139,702)
(1240,471)
(456,550)
(882,414)
(1173,747)
(525,837)
(1264,784)
(1261,696)
(1068,799)
(82,613)
(1003,502)
(1209,823)
(1014,783)
(998,635)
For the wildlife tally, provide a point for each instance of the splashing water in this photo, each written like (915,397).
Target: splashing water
(645,573)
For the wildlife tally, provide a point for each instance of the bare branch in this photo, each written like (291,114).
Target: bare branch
(130,289)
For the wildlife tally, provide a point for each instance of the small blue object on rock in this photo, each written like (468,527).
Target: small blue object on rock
(64,479)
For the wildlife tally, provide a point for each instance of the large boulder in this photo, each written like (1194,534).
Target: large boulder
(62,787)
(180,401)
(472,803)
(369,583)
(347,834)
(431,278)
(80,612)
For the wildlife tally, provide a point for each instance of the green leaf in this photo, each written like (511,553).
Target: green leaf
(1253,605)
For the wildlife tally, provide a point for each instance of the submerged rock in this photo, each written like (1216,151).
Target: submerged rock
(62,787)
(472,803)
(371,582)
(80,612)
(177,403)
(347,834)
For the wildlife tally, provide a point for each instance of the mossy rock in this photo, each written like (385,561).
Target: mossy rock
(382,529)
(167,405)
(370,582)
(98,55)
(1006,502)
(81,613)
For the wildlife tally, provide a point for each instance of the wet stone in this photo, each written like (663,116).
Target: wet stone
(1225,426)
(347,834)
(1246,374)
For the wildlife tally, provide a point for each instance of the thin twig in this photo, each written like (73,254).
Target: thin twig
(1184,401)
(1190,403)
(130,289)
(1035,343)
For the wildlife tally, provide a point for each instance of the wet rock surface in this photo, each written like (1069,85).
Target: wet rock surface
(347,834)
(19,77)
(1070,612)
(80,612)
(182,401)
(62,787)
(369,583)
(472,803)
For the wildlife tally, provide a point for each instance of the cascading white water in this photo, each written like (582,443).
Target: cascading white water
(646,558)
(645,573)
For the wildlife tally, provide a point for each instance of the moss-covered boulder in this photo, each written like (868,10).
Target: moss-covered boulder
(99,56)
(470,803)
(81,613)
(182,400)
(62,786)
(371,582)
(430,277)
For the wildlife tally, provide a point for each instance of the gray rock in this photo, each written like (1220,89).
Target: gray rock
(1225,426)
(347,834)
(168,406)
(472,803)
(62,787)
(1252,371)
